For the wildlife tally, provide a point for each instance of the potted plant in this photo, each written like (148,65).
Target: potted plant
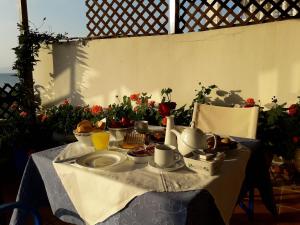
(63,119)
(294,115)
(276,129)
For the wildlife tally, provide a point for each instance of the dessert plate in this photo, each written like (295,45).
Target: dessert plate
(102,160)
(156,168)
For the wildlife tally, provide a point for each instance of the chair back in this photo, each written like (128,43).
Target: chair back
(226,121)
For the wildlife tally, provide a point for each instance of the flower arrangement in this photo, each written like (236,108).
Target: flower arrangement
(278,125)
(166,107)
(64,117)
(121,114)
(278,128)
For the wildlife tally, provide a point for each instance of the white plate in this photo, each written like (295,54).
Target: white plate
(101,160)
(156,168)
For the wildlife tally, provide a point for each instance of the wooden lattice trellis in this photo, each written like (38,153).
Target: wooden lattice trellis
(111,18)
(196,15)
(8,95)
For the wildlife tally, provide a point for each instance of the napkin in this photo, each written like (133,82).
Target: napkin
(73,151)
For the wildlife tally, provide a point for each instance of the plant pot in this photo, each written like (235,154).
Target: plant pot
(297,159)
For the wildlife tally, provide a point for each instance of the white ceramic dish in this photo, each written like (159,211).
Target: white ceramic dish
(102,160)
(84,138)
(156,168)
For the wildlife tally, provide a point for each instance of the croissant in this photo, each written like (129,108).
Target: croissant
(84,126)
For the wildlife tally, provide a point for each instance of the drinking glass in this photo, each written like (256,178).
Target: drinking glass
(100,140)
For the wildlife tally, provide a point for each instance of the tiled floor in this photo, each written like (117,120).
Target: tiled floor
(287,198)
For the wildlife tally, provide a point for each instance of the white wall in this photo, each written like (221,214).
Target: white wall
(260,60)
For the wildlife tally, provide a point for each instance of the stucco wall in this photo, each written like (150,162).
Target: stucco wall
(260,60)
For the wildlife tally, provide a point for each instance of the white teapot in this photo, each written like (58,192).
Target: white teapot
(191,139)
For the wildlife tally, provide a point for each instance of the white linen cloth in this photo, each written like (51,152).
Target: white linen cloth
(98,195)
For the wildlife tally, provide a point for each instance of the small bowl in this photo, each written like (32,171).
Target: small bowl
(84,138)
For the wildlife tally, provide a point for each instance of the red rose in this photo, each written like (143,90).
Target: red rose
(96,109)
(135,97)
(293,110)
(23,114)
(165,108)
(250,102)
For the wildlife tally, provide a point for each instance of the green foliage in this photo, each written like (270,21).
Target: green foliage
(277,130)
(202,93)
(27,52)
(166,94)
(64,118)
(183,116)
(118,111)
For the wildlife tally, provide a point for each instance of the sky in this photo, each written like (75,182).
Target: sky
(61,16)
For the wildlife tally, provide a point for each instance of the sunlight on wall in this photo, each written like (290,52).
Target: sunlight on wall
(257,61)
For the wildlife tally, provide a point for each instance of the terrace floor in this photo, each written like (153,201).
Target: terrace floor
(287,198)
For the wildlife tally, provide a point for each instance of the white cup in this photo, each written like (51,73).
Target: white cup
(165,155)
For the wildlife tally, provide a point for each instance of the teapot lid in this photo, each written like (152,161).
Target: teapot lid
(193,137)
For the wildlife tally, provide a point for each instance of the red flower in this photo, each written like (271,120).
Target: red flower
(135,97)
(139,101)
(43,118)
(250,102)
(164,121)
(23,114)
(151,104)
(66,102)
(14,106)
(293,110)
(125,122)
(296,139)
(96,109)
(165,108)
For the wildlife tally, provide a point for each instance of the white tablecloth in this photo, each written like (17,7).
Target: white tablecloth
(98,195)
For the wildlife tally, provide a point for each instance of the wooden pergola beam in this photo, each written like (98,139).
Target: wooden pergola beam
(24,14)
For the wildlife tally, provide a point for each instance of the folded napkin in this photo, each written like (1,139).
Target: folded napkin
(72,151)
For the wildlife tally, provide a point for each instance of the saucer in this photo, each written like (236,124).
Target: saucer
(156,168)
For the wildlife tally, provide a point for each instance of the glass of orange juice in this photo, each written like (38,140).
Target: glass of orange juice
(100,140)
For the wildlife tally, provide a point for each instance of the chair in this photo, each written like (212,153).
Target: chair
(228,121)
(25,208)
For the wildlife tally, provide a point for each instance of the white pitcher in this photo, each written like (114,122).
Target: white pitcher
(170,138)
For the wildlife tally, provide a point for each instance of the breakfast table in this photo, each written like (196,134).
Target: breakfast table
(209,204)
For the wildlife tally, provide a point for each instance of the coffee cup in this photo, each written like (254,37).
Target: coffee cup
(165,155)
